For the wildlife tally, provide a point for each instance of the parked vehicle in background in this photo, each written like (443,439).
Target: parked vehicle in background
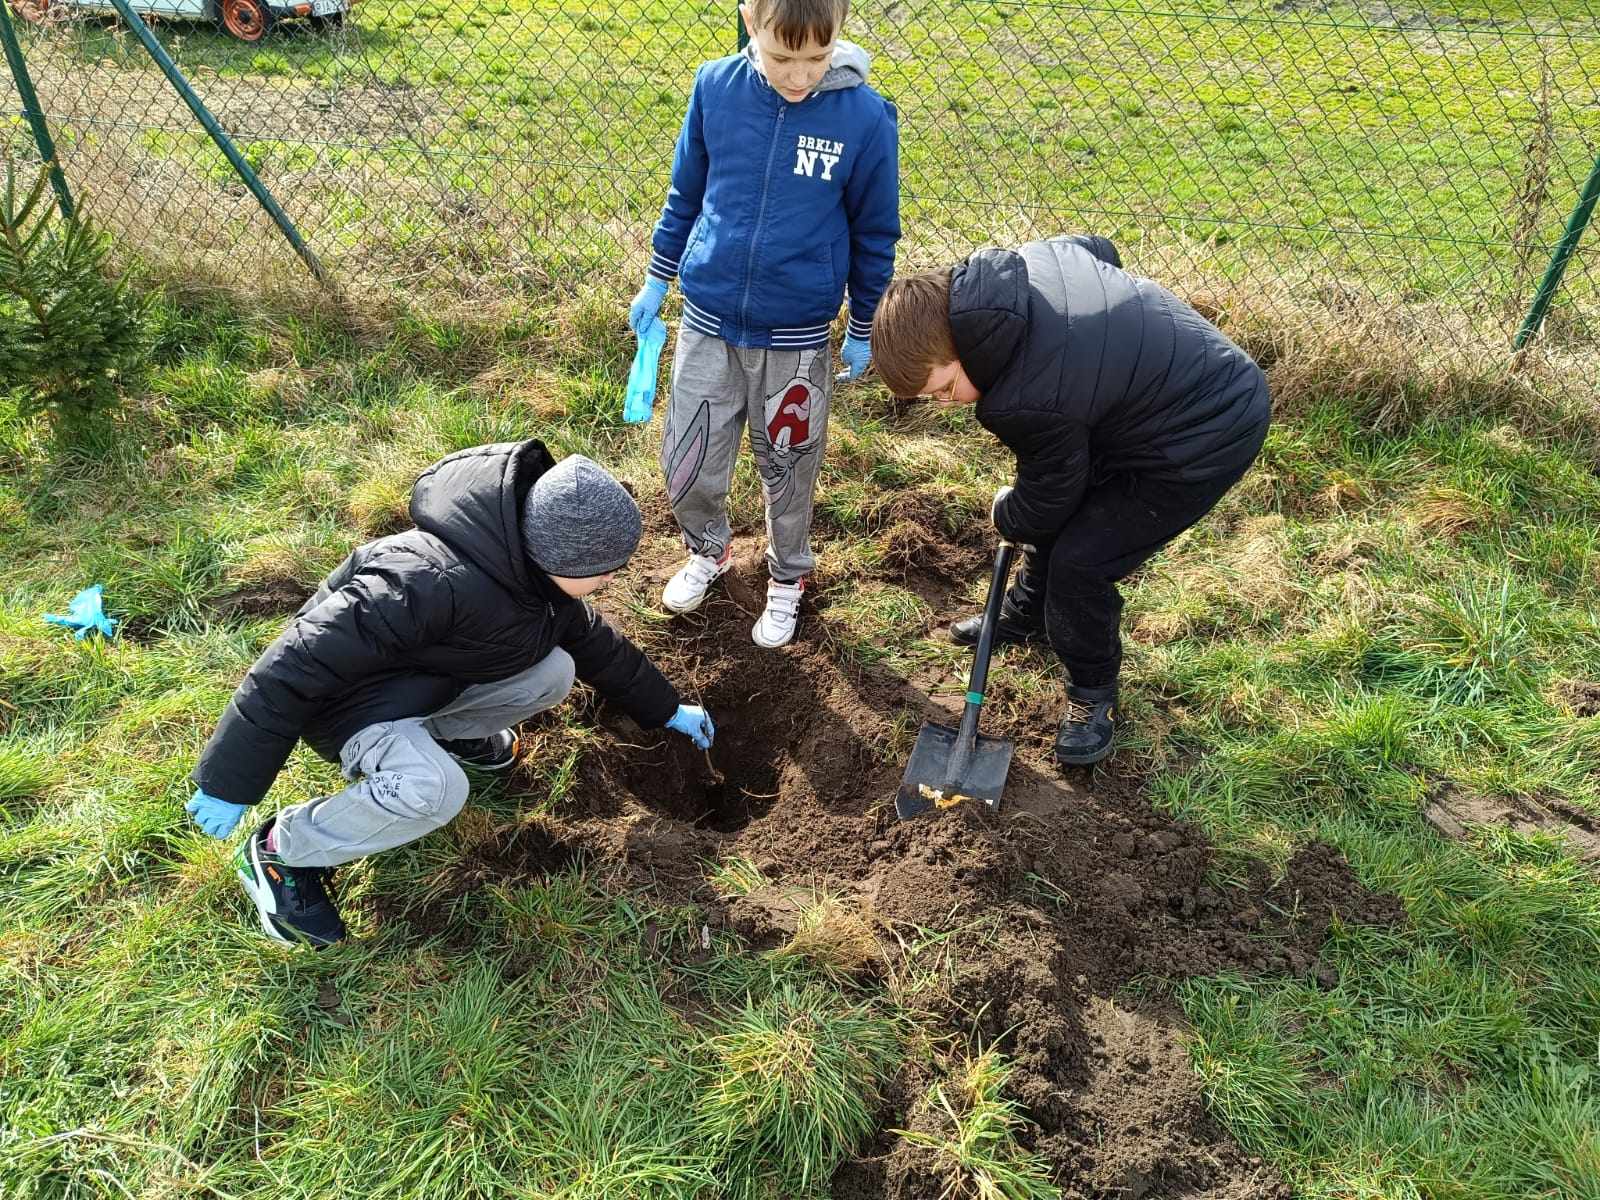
(247,20)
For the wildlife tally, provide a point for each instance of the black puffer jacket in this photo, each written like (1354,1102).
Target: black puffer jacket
(407,622)
(1086,372)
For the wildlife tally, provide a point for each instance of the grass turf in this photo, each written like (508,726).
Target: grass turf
(1372,617)
(1427,154)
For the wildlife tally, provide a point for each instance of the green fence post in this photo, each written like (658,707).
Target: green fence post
(1558,260)
(744,34)
(35,114)
(223,141)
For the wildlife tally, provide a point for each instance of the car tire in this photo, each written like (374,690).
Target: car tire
(244,20)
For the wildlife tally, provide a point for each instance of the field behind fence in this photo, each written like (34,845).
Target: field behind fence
(1332,162)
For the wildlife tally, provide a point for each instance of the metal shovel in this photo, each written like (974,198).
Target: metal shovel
(949,766)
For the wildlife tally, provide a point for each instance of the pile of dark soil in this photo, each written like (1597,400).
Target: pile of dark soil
(1075,891)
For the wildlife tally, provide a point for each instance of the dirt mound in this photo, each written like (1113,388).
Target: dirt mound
(1048,911)
(920,541)
(1457,813)
(277,597)
(1582,696)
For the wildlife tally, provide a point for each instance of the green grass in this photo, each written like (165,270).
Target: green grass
(975,1147)
(1456,1057)
(451,141)
(1373,614)
(151,1041)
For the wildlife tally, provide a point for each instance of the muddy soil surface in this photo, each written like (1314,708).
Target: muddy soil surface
(1070,913)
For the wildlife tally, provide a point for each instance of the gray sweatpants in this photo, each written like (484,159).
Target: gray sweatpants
(403,785)
(782,396)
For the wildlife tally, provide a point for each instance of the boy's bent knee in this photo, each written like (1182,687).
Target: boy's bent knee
(434,789)
(545,684)
(557,673)
(1071,575)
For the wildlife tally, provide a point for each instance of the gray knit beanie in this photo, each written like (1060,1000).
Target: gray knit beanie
(578,521)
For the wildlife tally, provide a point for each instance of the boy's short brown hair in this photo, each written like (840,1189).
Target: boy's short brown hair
(911,335)
(796,21)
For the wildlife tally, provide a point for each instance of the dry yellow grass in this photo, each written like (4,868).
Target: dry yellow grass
(1449,512)
(835,935)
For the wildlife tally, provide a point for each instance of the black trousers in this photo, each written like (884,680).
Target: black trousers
(1071,580)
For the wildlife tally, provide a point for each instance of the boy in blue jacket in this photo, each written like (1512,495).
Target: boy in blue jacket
(785,191)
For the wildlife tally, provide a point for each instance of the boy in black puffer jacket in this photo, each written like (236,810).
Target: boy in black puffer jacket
(416,657)
(1130,416)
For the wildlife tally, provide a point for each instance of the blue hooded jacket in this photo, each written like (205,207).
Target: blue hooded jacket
(775,206)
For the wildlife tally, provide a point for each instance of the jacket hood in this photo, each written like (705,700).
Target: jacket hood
(473,501)
(847,70)
(988,313)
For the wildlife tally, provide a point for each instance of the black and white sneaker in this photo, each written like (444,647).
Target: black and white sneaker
(493,753)
(293,902)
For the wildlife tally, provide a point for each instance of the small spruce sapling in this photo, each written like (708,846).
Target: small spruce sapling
(71,336)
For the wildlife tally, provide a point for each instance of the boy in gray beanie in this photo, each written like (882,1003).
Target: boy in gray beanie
(415,658)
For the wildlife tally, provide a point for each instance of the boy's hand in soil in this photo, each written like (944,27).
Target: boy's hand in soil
(646,305)
(216,817)
(856,353)
(695,724)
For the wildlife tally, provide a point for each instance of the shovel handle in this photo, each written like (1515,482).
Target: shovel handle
(967,732)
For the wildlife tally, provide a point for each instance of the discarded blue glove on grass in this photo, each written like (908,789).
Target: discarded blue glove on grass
(85,615)
(695,724)
(216,817)
(642,375)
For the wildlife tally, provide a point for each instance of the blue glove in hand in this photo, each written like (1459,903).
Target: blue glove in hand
(641,395)
(216,817)
(646,306)
(856,353)
(695,724)
(85,615)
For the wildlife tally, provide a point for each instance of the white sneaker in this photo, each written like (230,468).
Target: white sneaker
(776,626)
(686,590)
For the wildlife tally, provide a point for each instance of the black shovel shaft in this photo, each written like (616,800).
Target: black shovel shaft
(967,732)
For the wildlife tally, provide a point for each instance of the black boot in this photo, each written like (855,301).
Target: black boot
(493,753)
(1087,731)
(1014,628)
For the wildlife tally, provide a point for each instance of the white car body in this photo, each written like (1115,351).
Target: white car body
(205,10)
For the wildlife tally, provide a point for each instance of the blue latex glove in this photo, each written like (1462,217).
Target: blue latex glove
(641,397)
(216,817)
(856,353)
(646,305)
(695,724)
(85,615)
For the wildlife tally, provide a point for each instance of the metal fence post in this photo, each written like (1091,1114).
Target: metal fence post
(1558,260)
(223,141)
(744,34)
(35,114)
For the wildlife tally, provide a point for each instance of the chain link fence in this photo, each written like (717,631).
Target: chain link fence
(1343,156)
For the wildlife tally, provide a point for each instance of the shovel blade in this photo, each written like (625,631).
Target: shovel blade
(927,785)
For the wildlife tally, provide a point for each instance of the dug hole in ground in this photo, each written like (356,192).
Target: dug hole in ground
(1073,910)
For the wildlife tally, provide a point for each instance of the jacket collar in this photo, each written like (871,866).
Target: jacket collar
(989,313)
